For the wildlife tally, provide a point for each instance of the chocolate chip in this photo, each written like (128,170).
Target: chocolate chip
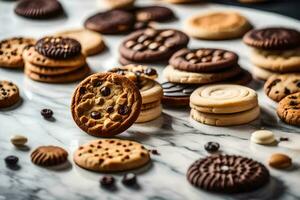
(105,91)
(123,110)
(298,84)
(110,109)
(150,72)
(293,103)
(107,181)
(292,97)
(129,179)
(82,90)
(97,83)
(11,160)
(95,115)
(212,146)
(47,113)
(1,52)
(287,91)
(154,152)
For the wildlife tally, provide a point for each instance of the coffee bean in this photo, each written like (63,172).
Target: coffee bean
(11,160)
(129,179)
(281,139)
(154,152)
(95,115)
(107,181)
(123,110)
(47,113)
(212,146)
(105,91)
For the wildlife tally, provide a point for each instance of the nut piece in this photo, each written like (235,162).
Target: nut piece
(18,140)
(280,161)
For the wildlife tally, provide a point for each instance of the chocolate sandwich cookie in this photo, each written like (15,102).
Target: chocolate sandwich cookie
(111,22)
(38,9)
(154,13)
(9,94)
(228,174)
(151,45)
(273,38)
(288,109)
(203,59)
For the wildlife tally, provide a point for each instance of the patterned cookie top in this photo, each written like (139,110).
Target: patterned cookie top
(106,104)
(110,155)
(289,109)
(9,94)
(49,156)
(228,174)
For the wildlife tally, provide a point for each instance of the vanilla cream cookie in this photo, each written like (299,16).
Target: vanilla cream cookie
(149,114)
(151,91)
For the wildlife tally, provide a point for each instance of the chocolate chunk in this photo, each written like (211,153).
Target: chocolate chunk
(82,90)
(150,72)
(110,109)
(107,181)
(212,146)
(123,110)
(47,113)
(287,91)
(11,160)
(105,91)
(95,115)
(129,179)
(293,103)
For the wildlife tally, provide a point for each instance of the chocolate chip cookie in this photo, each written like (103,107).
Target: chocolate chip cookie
(152,45)
(289,109)
(154,13)
(9,94)
(106,104)
(228,174)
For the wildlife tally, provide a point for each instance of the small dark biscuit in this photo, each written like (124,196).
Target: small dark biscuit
(154,13)
(49,156)
(151,45)
(289,109)
(38,9)
(275,38)
(58,47)
(111,22)
(203,60)
(228,174)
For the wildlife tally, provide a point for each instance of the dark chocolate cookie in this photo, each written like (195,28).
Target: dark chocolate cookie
(58,47)
(151,45)
(288,109)
(111,22)
(276,38)
(228,174)
(154,13)
(38,9)
(203,60)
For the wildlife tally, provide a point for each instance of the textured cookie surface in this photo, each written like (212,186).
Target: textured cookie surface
(149,114)
(154,13)
(279,86)
(228,174)
(273,38)
(203,60)
(134,72)
(150,90)
(110,155)
(289,109)
(106,104)
(9,94)
(49,156)
(11,51)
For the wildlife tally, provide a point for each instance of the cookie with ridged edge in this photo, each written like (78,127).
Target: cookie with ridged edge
(273,38)
(154,13)
(288,109)
(49,156)
(38,9)
(228,174)
(106,104)
(9,94)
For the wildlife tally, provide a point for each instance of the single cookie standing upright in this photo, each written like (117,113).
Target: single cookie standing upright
(228,174)
(273,38)
(111,22)
(106,104)
(49,156)
(38,9)
(154,13)
(111,155)
(279,86)
(289,109)
(9,94)
(11,51)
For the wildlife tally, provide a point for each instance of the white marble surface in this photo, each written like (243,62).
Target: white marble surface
(178,139)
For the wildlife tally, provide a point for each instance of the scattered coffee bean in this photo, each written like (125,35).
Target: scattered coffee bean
(47,113)
(129,179)
(212,146)
(18,140)
(11,160)
(107,181)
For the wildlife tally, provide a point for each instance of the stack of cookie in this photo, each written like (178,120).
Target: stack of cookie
(55,60)
(275,51)
(190,68)
(151,91)
(224,105)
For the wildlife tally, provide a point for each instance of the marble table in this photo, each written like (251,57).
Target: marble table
(179,139)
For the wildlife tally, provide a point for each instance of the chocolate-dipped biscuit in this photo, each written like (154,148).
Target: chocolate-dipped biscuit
(154,13)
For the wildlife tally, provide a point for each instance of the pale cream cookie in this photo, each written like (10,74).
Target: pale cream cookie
(261,73)
(151,91)
(263,137)
(149,114)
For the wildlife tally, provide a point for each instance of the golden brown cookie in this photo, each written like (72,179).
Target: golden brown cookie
(111,155)
(49,156)
(106,104)
(288,109)
(9,94)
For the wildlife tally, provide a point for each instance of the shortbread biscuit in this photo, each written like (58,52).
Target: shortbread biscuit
(111,155)
(9,94)
(223,98)
(106,104)
(177,76)
(289,109)
(149,114)
(150,90)
(226,119)
(217,26)
(261,73)
(49,156)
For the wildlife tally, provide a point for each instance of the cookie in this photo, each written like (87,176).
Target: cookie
(242,78)
(277,61)
(111,155)
(91,42)
(228,174)
(150,90)
(288,109)
(117,4)
(273,38)
(106,104)
(177,76)
(11,51)
(261,73)
(9,94)
(263,137)
(152,45)
(203,60)
(32,56)
(111,22)
(279,86)
(149,114)
(217,26)
(147,106)
(223,98)
(38,9)
(154,13)
(58,47)
(280,161)
(73,76)
(49,156)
